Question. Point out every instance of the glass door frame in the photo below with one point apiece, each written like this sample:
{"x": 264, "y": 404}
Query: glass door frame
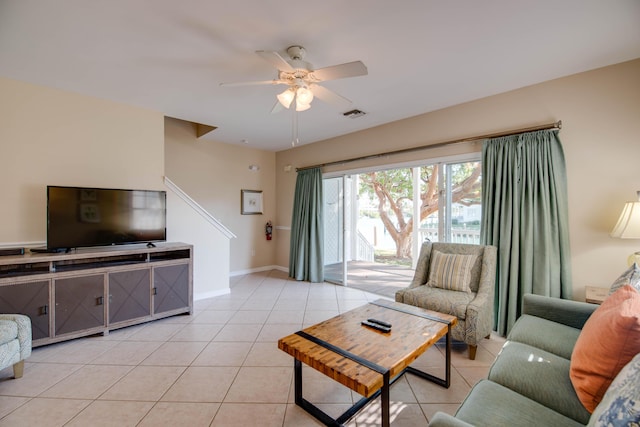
{"x": 345, "y": 222}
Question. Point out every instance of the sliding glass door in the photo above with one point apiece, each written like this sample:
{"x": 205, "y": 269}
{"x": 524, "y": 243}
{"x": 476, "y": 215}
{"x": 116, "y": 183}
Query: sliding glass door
{"x": 333, "y": 191}
{"x": 339, "y": 221}
{"x": 375, "y": 222}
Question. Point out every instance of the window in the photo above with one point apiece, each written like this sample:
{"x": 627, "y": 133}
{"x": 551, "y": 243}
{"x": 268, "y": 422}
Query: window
{"x": 448, "y": 206}
{"x": 455, "y": 210}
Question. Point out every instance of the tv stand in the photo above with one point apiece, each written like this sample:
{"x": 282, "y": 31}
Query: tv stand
{"x": 96, "y": 290}
{"x": 151, "y": 245}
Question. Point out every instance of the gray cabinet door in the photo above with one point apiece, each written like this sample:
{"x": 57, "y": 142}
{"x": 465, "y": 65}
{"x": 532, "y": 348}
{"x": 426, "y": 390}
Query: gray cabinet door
{"x": 129, "y": 295}
{"x": 171, "y": 287}
{"x": 30, "y": 299}
{"x": 79, "y": 303}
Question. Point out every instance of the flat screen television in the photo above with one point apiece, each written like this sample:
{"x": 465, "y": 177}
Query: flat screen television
{"x": 81, "y": 217}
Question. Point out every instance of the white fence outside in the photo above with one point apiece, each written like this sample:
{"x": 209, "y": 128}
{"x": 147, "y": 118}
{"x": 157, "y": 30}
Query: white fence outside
{"x": 458, "y": 235}
{"x": 366, "y": 251}
{"x": 364, "y": 248}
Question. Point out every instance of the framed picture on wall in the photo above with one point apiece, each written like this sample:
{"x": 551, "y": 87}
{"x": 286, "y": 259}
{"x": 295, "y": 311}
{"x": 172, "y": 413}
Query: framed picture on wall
{"x": 251, "y": 202}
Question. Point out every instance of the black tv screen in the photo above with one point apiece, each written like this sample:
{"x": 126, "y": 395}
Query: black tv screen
{"x": 81, "y": 217}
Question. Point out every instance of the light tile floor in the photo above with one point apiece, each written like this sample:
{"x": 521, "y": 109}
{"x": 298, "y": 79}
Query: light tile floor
{"x": 219, "y": 367}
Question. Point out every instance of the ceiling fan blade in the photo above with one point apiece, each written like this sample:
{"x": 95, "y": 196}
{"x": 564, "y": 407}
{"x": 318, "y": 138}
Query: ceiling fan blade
{"x": 275, "y": 59}
{"x": 330, "y": 97}
{"x": 277, "y": 107}
{"x": 350, "y": 69}
{"x": 261, "y": 82}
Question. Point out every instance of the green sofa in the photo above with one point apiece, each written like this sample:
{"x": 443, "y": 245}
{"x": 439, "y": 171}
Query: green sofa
{"x": 528, "y": 383}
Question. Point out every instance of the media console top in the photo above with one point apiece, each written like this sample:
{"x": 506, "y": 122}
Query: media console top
{"x": 94, "y": 252}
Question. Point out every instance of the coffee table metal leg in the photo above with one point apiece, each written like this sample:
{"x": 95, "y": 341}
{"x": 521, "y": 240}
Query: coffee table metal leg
{"x": 447, "y": 366}
{"x": 297, "y": 381}
{"x": 446, "y": 382}
{"x": 349, "y": 413}
{"x": 385, "y": 400}
{"x": 305, "y": 404}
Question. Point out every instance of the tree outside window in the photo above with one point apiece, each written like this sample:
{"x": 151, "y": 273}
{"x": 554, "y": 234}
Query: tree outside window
{"x": 391, "y": 192}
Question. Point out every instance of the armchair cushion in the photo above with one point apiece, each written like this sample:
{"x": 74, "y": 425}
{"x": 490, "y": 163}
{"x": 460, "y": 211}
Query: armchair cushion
{"x": 450, "y": 271}
{"x": 440, "y": 300}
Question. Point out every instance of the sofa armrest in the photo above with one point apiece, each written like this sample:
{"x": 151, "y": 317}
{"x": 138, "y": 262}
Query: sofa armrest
{"x": 566, "y": 312}
{"x": 440, "y": 419}
{"x": 24, "y": 332}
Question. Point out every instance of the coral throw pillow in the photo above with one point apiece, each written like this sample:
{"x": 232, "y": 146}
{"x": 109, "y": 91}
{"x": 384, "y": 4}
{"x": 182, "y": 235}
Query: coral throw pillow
{"x": 608, "y": 341}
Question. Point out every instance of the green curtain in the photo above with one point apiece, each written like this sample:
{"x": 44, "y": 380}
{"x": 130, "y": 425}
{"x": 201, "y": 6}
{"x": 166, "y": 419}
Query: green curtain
{"x": 306, "y": 256}
{"x": 524, "y": 214}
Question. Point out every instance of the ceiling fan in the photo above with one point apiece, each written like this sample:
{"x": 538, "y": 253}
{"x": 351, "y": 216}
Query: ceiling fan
{"x": 303, "y": 80}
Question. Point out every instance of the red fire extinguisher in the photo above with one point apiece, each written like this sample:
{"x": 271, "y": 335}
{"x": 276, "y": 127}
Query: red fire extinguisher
{"x": 268, "y": 229}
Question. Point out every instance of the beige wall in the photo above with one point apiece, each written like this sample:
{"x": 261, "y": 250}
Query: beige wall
{"x": 600, "y": 111}
{"x": 53, "y": 137}
{"x": 211, "y": 247}
{"x": 213, "y": 174}
{"x": 49, "y": 136}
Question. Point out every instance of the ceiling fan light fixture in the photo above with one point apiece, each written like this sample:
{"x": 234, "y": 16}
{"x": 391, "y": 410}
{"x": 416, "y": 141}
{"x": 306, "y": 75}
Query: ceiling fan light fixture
{"x": 304, "y": 95}
{"x": 301, "y": 106}
{"x": 286, "y": 98}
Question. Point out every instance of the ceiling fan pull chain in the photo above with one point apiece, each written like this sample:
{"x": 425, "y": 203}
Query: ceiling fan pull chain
{"x": 294, "y": 128}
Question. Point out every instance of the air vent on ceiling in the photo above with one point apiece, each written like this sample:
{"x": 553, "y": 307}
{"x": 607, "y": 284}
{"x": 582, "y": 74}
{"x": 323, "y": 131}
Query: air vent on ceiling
{"x": 354, "y": 114}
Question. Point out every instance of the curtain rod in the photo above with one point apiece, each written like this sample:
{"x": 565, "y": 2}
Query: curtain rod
{"x": 555, "y": 125}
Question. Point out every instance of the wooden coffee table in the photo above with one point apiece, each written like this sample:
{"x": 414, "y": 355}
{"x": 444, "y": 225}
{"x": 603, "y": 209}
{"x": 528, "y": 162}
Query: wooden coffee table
{"x": 366, "y": 360}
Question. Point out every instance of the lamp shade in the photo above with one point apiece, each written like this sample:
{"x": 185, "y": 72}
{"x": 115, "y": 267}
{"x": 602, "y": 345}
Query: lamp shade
{"x": 628, "y": 226}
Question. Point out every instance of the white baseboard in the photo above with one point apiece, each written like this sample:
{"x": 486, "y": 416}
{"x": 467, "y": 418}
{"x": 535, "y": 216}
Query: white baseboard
{"x": 211, "y": 294}
{"x": 258, "y": 270}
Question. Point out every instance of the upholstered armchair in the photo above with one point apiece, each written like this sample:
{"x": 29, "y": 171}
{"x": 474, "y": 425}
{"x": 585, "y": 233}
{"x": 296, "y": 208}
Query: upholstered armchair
{"x": 15, "y": 342}
{"x": 457, "y": 279}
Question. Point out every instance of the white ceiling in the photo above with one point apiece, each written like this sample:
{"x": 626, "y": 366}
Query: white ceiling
{"x": 422, "y": 55}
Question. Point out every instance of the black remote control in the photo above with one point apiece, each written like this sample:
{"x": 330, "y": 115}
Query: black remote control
{"x": 376, "y": 326}
{"x": 380, "y": 322}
